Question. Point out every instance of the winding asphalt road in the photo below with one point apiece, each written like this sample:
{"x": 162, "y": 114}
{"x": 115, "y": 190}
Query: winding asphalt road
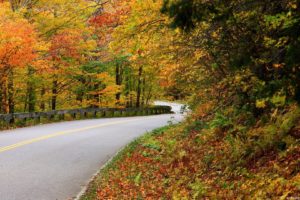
{"x": 55, "y": 161}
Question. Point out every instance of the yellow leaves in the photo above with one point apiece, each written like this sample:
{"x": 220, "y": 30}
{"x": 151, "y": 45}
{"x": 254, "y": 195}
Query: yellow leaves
{"x": 215, "y": 34}
{"x": 42, "y": 66}
{"x": 6, "y": 12}
{"x": 296, "y": 181}
{"x": 269, "y": 42}
{"x": 103, "y": 76}
{"x": 107, "y": 91}
{"x": 260, "y": 103}
{"x": 90, "y": 44}
{"x": 238, "y": 78}
{"x": 293, "y": 4}
{"x": 199, "y": 53}
{"x": 42, "y": 46}
{"x": 134, "y": 58}
{"x": 110, "y": 90}
{"x": 182, "y": 154}
{"x": 51, "y": 16}
{"x": 274, "y": 114}
{"x": 178, "y": 31}
{"x": 278, "y": 99}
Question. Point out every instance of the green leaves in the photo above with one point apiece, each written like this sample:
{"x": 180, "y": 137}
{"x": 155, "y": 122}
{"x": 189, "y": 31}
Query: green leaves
{"x": 237, "y": 35}
{"x": 220, "y": 121}
{"x": 137, "y": 179}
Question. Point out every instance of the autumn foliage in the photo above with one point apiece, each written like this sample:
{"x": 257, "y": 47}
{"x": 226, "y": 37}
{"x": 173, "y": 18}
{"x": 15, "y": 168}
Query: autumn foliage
{"x": 56, "y": 55}
{"x": 186, "y": 163}
{"x": 236, "y": 63}
{"x": 18, "y": 40}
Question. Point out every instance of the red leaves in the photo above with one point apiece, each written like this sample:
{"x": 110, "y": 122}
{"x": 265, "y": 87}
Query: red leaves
{"x": 112, "y": 17}
{"x": 122, "y": 181}
{"x": 106, "y": 19}
{"x": 65, "y": 44}
{"x": 185, "y": 170}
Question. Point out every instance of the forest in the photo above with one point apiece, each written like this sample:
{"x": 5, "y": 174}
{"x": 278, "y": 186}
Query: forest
{"x": 235, "y": 62}
{"x": 66, "y": 54}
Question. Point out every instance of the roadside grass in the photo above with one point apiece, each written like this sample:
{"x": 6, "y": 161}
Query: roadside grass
{"x": 111, "y": 165}
{"x": 91, "y": 192}
{"x": 210, "y": 157}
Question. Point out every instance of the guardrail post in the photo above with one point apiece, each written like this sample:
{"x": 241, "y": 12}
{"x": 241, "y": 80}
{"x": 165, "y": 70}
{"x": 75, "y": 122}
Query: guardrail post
{"x": 74, "y": 115}
{"x": 11, "y": 119}
{"x": 61, "y": 116}
{"x": 113, "y": 112}
{"x": 38, "y": 119}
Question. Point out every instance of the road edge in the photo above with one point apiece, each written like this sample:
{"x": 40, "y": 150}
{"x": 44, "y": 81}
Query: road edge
{"x": 86, "y": 186}
{"x": 118, "y": 155}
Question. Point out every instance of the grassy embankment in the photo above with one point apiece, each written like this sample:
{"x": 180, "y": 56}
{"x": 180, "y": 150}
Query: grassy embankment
{"x": 208, "y": 157}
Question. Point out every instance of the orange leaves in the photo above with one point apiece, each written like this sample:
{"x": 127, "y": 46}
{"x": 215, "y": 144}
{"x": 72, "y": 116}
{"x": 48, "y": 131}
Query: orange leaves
{"x": 111, "y": 90}
{"x": 277, "y": 65}
{"x": 137, "y": 174}
{"x": 70, "y": 48}
{"x": 203, "y": 110}
{"x": 196, "y": 167}
{"x": 17, "y": 43}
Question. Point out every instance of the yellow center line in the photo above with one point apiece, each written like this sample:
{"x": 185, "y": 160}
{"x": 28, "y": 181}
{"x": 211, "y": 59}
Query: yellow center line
{"x": 38, "y": 139}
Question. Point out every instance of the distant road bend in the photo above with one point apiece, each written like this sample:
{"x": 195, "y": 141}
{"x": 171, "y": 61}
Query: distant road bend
{"x": 54, "y": 161}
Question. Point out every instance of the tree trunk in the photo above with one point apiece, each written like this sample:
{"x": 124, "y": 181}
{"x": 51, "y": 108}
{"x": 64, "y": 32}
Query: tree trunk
{"x": 1, "y": 96}
{"x": 4, "y": 90}
{"x": 149, "y": 96}
{"x": 42, "y": 105}
{"x": 54, "y": 94}
{"x": 119, "y": 81}
{"x": 11, "y": 102}
{"x": 96, "y": 96}
{"x": 31, "y": 98}
{"x": 128, "y": 89}
{"x": 297, "y": 89}
{"x": 139, "y": 89}
{"x": 143, "y": 92}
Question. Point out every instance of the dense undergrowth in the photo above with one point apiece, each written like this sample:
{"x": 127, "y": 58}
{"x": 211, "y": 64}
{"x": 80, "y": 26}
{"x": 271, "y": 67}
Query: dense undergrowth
{"x": 212, "y": 155}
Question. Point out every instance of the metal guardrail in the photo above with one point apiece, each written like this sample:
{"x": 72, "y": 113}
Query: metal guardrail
{"x": 84, "y": 113}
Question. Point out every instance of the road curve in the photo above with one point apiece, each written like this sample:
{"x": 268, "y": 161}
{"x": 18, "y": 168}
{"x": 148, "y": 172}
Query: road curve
{"x": 54, "y": 161}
